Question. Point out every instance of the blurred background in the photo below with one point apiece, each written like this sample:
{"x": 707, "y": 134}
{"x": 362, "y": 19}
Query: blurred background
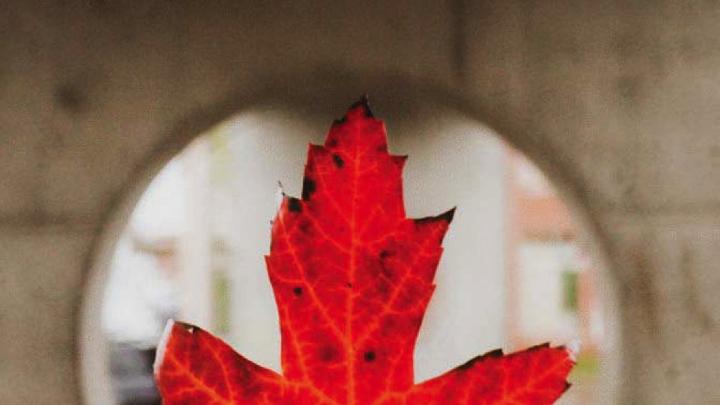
{"x": 193, "y": 250}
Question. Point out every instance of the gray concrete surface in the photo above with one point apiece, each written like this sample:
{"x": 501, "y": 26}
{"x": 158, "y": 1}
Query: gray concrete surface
{"x": 617, "y": 101}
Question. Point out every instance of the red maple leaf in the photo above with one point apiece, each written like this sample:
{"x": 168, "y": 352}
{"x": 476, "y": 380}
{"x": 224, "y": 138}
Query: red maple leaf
{"x": 352, "y": 277}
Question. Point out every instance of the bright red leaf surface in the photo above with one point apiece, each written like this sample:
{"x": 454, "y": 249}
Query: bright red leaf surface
{"x": 352, "y": 277}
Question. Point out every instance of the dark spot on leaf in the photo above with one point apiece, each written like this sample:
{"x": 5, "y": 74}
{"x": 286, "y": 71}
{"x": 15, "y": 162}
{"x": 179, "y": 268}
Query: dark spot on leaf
{"x": 369, "y": 356}
{"x": 297, "y": 291}
{"x": 332, "y": 142}
{"x": 387, "y": 271}
{"x": 349, "y": 285}
{"x": 384, "y": 254}
{"x": 308, "y": 188}
{"x": 304, "y": 227}
{"x": 294, "y": 205}
{"x": 339, "y": 162}
{"x": 328, "y": 353}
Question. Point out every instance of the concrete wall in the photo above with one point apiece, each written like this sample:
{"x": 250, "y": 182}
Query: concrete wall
{"x": 616, "y": 101}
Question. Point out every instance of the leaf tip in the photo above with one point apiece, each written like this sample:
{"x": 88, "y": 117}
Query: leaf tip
{"x": 494, "y": 353}
{"x": 448, "y": 215}
{"x": 364, "y": 104}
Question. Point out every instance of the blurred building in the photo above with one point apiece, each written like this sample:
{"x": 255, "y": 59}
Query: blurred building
{"x": 551, "y": 288}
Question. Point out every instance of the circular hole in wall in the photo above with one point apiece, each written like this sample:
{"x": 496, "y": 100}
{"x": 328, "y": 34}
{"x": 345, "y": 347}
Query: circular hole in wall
{"x": 516, "y": 271}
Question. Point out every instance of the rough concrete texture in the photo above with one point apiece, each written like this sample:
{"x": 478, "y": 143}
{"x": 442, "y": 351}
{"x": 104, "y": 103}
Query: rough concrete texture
{"x": 617, "y": 101}
{"x": 41, "y": 284}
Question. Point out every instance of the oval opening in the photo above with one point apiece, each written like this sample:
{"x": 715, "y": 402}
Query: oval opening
{"x": 517, "y": 269}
